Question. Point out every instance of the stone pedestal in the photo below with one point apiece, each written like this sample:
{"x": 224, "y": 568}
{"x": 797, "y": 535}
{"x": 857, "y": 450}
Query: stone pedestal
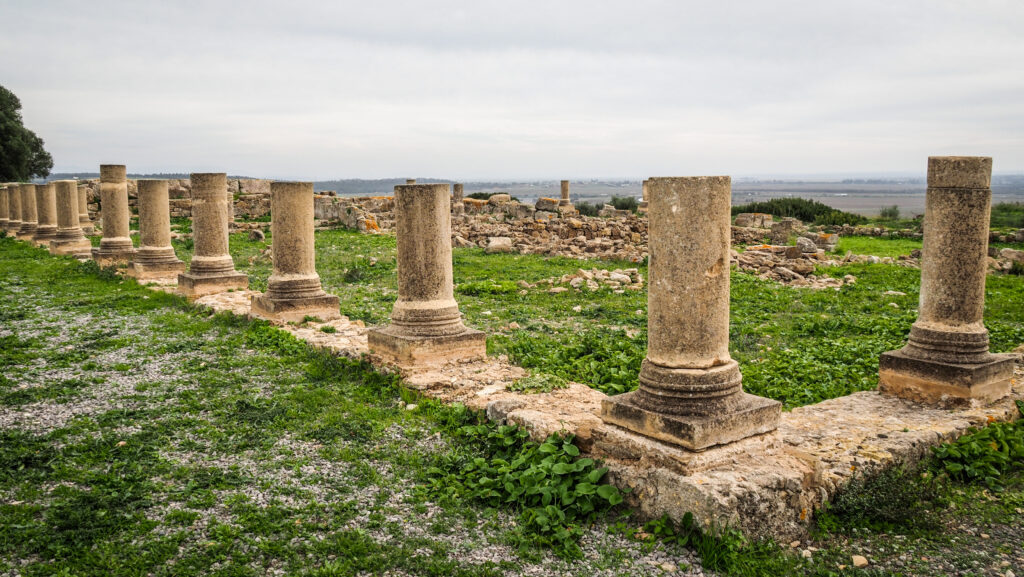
{"x": 46, "y": 211}
{"x": 293, "y": 289}
{"x": 83, "y": 212}
{"x": 642, "y": 209}
{"x": 212, "y": 270}
{"x": 155, "y": 259}
{"x": 116, "y": 245}
{"x": 946, "y": 360}
{"x": 69, "y": 238}
{"x": 29, "y": 216}
{"x": 690, "y": 389}
{"x": 426, "y": 325}
{"x": 410, "y": 181}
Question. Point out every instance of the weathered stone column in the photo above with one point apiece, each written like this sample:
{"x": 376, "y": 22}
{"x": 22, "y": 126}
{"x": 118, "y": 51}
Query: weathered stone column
{"x": 116, "y": 245}
{"x": 46, "y": 213}
{"x": 155, "y": 258}
{"x": 293, "y": 289}
{"x": 13, "y": 208}
{"x": 457, "y": 206}
{"x": 690, "y": 388}
{"x": 69, "y": 238}
{"x": 29, "y": 216}
{"x": 212, "y": 270}
{"x": 5, "y": 210}
{"x": 83, "y": 211}
{"x": 426, "y": 325}
{"x": 946, "y": 360}
{"x": 642, "y": 209}
{"x": 565, "y": 194}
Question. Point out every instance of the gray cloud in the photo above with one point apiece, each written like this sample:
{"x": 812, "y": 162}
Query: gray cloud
{"x": 517, "y": 89}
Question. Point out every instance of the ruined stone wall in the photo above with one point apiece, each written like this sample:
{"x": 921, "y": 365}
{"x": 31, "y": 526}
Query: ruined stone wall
{"x": 251, "y": 197}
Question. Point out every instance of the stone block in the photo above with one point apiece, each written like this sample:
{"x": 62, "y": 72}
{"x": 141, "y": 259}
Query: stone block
{"x": 410, "y": 351}
{"x": 748, "y": 415}
{"x": 194, "y": 286}
{"x": 945, "y": 384}
{"x": 323, "y": 307}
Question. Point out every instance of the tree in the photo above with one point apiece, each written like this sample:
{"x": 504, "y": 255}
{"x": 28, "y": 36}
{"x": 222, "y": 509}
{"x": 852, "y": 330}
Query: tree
{"x": 22, "y": 156}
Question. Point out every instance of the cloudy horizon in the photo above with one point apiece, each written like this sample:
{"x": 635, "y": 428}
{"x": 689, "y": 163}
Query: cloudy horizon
{"x": 528, "y": 90}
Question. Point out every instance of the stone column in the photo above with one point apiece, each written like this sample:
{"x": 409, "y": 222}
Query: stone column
{"x": 410, "y": 181}
{"x": 13, "y": 208}
{"x": 946, "y": 360}
{"x": 293, "y": 289}
{"x": 690, "y": 388}
{"x": 565, "y": 194}
{"x": 426, "y": 325}
{"x": 155, "y": 258}
{"x": 212, "y": 270}
{"x": 83, "y": 211}
{"x": 69, "y": 238}
{"x": 457, "y": 206}
{"x": 46, "y": 212}
{"x": 116, "y": 245}
{"x": 642, "y": 209}
{"x": 29, "y": 216}
{"x": 4, "y": 207}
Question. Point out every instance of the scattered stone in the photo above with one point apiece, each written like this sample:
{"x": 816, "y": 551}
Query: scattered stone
{"x": 859, "y": 561}
{"x": 499, "y": 244}
{"x": 256, "y": 235}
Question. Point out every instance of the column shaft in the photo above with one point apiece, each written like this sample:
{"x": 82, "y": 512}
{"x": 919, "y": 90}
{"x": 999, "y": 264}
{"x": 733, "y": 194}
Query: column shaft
{"x": 155, "y": 258}
{"x": 690, "y": 388}
{"x": 29, "y": 216}
{"x": 211, "y": 270}
{"x": 46, "y": 208}
{"x": 565, "y": 194}
{"x": 946, "y": 360}
{"x": 69, "y": 238}
{"x": 426, "y": 325}
{"x": 293, "y": 290}
{"x": 116, "y": 245}
{"x": 83, "y": 210}
{"x": 13, "y": 209}
{"x": 4, "y": 208}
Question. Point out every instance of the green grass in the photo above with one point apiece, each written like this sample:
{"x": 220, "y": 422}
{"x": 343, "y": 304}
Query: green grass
{"x": 877, "y": 245}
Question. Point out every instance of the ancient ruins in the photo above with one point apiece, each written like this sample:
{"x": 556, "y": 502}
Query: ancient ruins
{"x": 689, "y": 439}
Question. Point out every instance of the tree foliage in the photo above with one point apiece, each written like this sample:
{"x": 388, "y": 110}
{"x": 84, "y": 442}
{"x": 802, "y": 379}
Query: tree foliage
{"x": 22, "y": 156}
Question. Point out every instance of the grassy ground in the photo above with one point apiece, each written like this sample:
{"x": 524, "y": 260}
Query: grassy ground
{"x": 142, "y": 436}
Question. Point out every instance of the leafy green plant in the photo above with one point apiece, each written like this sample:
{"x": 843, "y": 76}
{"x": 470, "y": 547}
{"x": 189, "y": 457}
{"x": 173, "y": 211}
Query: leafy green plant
{"x": 587, "y": 208}
{"x": 608, "y": 361}
{"x": 1017, "y": 268}
{"x": 889, "y": 212}
{"x": 108, "y": 273}
{"x": 539, "y": 383}
{"x": 328, "y": 329}
{"x": 985, "y": 454}
{"x": 554, "y": 492}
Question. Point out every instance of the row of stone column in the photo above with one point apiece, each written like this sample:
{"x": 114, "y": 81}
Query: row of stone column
{"x": 46, "y": 214}
{"x": 690, "y": 391}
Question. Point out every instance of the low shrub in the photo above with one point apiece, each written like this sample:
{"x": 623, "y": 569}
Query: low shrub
{"x": 985, "y": 454}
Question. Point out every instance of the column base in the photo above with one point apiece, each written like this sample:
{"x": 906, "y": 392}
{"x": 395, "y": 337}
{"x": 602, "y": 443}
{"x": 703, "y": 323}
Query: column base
{"x": 88, "y": 230}
{"x": 195, "y": 286}
{"x": 152, "y": 271}
{"x": 80, "y": 249}
{"x": 947, "y": 385}
{"x": 751, "y": 415}
{"x": 25, "y": 235}
{"x": 412, "y": 351}
{"x": 112, "y": 257}
{"x": 323, "y": 307}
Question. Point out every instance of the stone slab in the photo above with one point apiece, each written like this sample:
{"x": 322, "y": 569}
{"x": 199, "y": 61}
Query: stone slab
{"x": 112, "y": 257}
{"x": 750, "y": 415}
{"x": 155, "y": 271}
{"x": 323, "y": 307}
{"x": 393, "y": 346}
{"x": 195, "y": 286}
{"x": 945, "y": 384}
{"x": 81, "y": 249}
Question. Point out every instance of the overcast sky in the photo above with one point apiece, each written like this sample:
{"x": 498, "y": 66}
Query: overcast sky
{"x": 518, "y": 89}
